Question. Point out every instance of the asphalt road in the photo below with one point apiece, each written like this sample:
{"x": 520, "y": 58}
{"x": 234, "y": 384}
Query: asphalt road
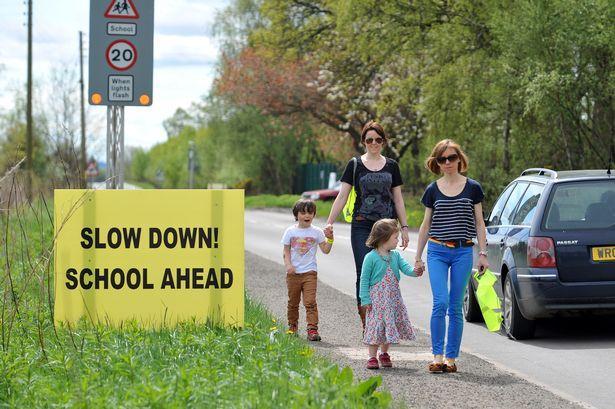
{"x": 574, "y": 359}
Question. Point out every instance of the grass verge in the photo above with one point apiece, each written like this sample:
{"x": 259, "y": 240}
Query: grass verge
{"x": 190, "y": 365}
{"x": 414, "y": 209}
{"x": 142, "y": 184}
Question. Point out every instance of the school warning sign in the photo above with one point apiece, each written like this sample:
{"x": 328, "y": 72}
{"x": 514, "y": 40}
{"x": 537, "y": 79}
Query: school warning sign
{"x": 154, "y": 256}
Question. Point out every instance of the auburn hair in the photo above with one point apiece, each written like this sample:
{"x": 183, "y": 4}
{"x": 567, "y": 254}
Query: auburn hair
{"x": 382, "y": 230}
{"x": 432, "y": 161}
{"x": 373, "y": 126}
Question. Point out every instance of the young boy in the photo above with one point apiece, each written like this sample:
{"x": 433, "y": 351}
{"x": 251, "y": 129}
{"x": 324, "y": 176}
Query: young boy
{"x": 300, "y": 246}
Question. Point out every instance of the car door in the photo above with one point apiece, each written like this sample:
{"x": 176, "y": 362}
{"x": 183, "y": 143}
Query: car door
{"x": 518, "y": 234}
{"x": 499, "y": 224}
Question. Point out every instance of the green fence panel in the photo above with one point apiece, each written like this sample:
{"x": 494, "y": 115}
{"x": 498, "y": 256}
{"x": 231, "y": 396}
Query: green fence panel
{"x": 312, "y": 176}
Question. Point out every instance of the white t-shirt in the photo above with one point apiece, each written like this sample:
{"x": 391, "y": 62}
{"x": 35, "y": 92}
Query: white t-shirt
{"x": 303, "y": 244}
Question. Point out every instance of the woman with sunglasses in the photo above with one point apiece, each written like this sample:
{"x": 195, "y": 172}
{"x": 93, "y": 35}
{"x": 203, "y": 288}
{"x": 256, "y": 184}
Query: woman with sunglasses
{"x": 453, "y": 218}
{"x": 377, "y": 182}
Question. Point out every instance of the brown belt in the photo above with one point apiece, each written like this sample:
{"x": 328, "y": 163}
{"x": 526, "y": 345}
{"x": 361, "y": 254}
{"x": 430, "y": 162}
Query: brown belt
{"x": 453, "y": 243}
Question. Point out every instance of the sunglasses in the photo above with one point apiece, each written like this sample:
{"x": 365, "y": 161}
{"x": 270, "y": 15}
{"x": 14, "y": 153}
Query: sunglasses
{"x": 451, "y": 158}
{"x": 378, "y": 140}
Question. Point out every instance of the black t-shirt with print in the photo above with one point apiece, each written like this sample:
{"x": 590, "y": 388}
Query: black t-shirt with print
{"x": 374, "y": 189}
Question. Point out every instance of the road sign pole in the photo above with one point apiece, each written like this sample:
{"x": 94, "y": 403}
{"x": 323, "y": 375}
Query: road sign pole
{"x": 120, "y": 147}
{"x": 191, "y": 165}
{"x": 121, "y": 63}
{"x": 115, "y": 147}
{"x": 110, "y": 166}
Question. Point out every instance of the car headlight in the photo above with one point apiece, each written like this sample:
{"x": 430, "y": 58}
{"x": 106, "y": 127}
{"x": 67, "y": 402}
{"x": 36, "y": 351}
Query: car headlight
{"x": 314, "y": 196}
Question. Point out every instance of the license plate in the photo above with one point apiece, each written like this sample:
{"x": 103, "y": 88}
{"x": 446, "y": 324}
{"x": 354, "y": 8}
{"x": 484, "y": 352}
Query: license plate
{"x": 606, "y": 253}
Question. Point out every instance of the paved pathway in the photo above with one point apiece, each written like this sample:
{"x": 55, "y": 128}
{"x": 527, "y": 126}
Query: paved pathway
{"x": 478, "y": 385}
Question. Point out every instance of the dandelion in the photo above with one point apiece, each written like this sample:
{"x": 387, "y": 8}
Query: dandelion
{"x": 273, "y": 328}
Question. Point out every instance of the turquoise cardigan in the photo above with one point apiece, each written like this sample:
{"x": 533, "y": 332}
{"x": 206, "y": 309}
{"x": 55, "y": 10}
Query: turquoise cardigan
{"x": 374, "y": 268}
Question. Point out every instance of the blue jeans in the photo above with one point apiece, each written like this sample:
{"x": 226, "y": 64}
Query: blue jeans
{"x": 359, "y": 232}
{"x": 441, "y": 259}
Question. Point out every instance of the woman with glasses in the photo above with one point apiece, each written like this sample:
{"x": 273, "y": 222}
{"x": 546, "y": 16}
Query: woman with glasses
{"x": 377, "y": 182}
{"x": 453, "y": 218}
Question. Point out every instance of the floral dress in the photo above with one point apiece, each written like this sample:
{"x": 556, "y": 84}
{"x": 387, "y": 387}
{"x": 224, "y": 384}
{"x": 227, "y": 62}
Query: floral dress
{"x": 387, "y": 322}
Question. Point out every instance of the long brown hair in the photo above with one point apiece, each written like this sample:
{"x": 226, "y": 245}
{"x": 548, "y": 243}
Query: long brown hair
{"x": 432, "y": 163}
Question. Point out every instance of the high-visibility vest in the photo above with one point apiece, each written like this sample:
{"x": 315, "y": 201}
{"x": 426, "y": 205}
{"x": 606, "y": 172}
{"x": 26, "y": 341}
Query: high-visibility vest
{"x": 488, "y": 300}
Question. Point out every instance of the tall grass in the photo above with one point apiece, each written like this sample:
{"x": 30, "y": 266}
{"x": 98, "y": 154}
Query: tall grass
{"x": 191, "y": 365}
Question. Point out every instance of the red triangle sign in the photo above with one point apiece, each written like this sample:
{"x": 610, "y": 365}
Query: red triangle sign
{"x": 122, "y": 9}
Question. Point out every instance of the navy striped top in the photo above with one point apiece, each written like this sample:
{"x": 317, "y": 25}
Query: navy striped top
{"x": 453, "y": 217}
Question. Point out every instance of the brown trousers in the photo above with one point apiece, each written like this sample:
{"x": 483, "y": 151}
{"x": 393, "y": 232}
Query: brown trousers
{"x": 302, "y": 283}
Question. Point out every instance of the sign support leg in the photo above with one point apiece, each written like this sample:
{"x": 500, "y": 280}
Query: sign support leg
{"x": 115, "y": 147}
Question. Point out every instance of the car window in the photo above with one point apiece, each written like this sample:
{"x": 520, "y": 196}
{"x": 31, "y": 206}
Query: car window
{"x": 512, "y": 202}
{"x": 527, "y": 205}
{"x": 496, "y": 212}
{"x": 582, "y": 205}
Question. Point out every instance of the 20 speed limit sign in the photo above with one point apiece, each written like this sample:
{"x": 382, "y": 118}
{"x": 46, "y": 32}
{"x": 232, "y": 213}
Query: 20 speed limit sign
{"x": 121, "y": 55}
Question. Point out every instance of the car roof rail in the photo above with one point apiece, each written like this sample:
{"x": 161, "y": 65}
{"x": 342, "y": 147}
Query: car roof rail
{"x": 541, "y": 172}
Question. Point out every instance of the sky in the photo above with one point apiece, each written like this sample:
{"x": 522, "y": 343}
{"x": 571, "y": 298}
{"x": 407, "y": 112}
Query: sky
{"x": 184, "y": 57}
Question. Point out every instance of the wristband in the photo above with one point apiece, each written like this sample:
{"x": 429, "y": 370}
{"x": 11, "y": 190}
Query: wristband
{"x": 405, "y": 225}
{"x": 330, "y": 241}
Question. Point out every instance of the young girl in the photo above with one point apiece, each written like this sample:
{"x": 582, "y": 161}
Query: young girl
{"x": 387, "y": 320}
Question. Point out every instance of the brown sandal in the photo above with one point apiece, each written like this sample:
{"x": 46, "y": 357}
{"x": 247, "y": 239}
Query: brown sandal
{"x": 435, "y": 367}
{"x": 449, "y": 368}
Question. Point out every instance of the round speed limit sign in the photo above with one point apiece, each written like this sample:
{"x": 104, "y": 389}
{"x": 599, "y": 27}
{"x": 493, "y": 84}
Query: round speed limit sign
{"x": 121, "y": 55}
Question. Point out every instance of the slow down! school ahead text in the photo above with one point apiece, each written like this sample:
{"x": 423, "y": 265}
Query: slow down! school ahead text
{"x": 125, "y": 238}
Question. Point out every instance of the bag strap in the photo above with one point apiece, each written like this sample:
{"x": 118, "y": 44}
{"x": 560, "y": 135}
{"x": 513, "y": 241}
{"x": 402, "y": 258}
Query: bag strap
{"x": 354, "y": 172}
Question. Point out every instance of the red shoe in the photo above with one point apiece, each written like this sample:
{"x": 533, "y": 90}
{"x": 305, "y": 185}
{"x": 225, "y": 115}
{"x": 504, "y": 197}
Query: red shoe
{"x": 312, "y": 335}
{"x": 372, "y": 363}
{"x": 292, "y": 329}
{"x": 385, "y": 360}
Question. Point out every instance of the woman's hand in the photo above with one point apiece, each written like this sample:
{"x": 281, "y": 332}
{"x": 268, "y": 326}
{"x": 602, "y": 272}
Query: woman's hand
{"x": 328, "y": 230}
{"x": 483, "y": 264}
{"x": 419, "y": 267}
{"x": 404, "y": 238}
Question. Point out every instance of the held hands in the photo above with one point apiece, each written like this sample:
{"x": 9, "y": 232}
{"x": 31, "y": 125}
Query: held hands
{"x": 419, "y": 267}
{"x": 328, "y": 230}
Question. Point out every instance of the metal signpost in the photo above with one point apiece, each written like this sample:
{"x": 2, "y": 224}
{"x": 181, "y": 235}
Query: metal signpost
{"x": 120, "y": 69}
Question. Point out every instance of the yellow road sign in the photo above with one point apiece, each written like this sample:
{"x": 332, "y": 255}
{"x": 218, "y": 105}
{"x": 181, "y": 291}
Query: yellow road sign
{"x": 154, "y": 256}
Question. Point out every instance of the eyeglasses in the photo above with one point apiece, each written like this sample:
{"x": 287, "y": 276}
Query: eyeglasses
{"x": 451, "y": 158}
{"x": 378, "y": 140}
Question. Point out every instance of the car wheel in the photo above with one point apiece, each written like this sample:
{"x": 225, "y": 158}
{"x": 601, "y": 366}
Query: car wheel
{"x": 471, "y": 309}
{"x": 515, "y": 324}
